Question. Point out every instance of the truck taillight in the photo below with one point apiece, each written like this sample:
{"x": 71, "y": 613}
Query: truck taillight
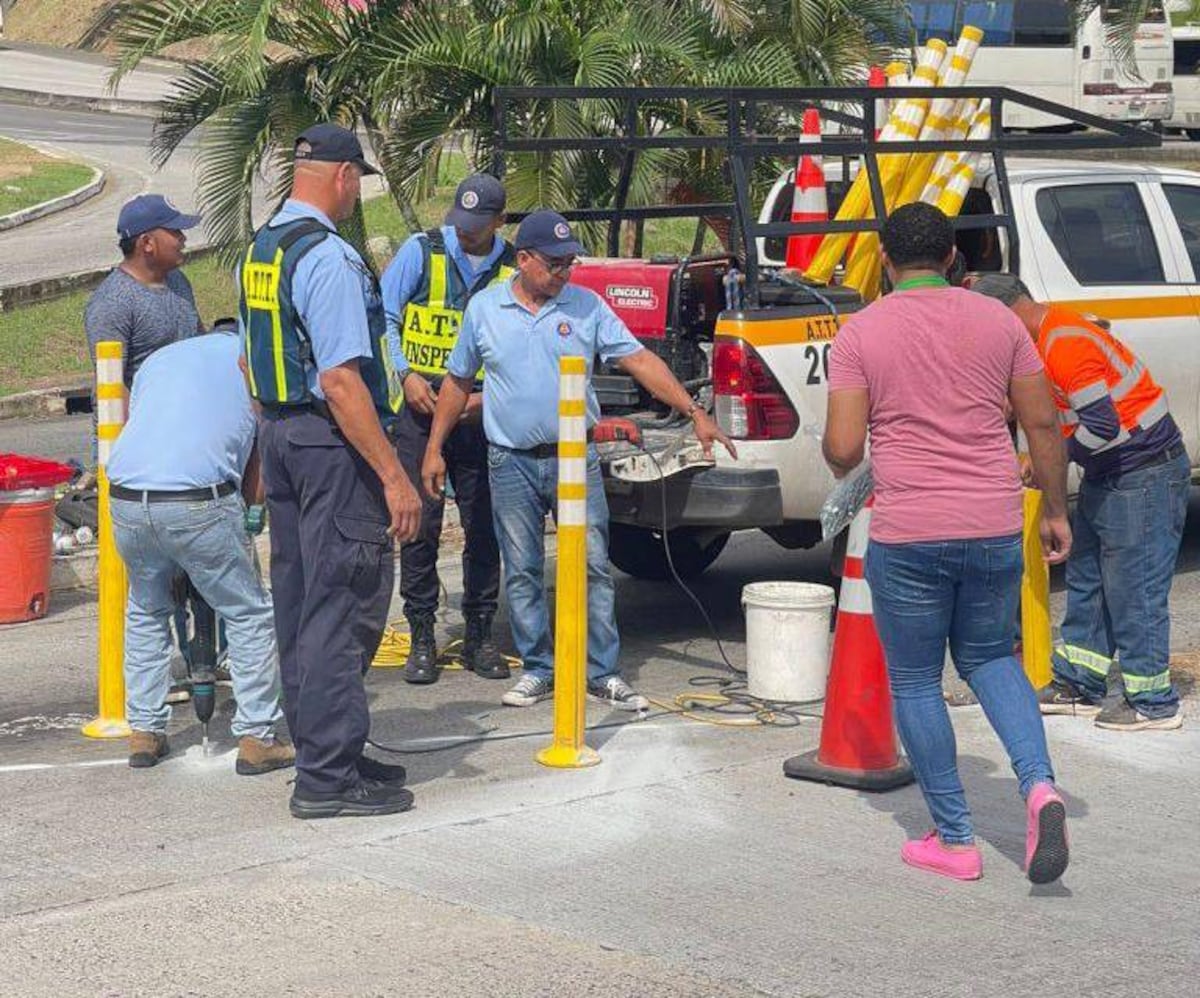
{"x": 749, "y": 402}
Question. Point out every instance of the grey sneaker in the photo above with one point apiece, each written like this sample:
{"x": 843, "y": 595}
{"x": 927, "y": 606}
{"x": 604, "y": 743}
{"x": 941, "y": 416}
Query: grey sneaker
{"x": 1061, "y": 697}
{"x": 529, "y": 689}
{"x": 1122, "y": 716}
{"x": 618, "y": 694}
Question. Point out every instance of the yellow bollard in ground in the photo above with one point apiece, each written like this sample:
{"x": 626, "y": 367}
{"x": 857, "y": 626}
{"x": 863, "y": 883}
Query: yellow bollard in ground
{"x": 1035, "y": 598}
{"x": 568, "y": 750}
{"x": 110, "y": 407}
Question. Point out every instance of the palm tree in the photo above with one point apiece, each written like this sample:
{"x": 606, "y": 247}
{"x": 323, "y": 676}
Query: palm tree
{"x": 436, "y": 74}
{"x": 273, "y": 68}
{"x": 418, "y": 75}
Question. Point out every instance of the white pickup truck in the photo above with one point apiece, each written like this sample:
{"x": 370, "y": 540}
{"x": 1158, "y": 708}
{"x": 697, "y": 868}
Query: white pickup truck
{"x": 1120, "y": 241}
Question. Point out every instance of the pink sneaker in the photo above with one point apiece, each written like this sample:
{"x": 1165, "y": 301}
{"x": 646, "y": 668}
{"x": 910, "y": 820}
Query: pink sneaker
{"x": 1045, "y": 834}
{"x": 929, "y": 854}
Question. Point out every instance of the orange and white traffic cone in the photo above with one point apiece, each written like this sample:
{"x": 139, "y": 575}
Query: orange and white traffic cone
{"x": 809, "y": 203}
{"x": 877, "y": 79}
{"x": 858, "y": 736}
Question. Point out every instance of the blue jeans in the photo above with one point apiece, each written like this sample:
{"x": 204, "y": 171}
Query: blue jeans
{"x": 208, "y": 541}
{"x": 964, "y": 592}
{"x": 524, "y": 489}
{"x": 1127, "y": 532}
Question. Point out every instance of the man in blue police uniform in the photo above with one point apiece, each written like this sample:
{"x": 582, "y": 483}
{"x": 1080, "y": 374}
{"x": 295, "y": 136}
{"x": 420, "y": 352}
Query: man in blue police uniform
{"x": 176, "y": 507}
{"x": 425, "y": 290}
{"x": 516, "y": 331}
{"x": 314, "y": 332}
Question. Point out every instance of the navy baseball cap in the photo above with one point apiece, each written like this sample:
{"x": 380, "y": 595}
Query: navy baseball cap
{"x": 152, "y": 211}
{"x": 548, "y": 233}
{"x": 330, "y": 143}
{"x": 477, "y": 202}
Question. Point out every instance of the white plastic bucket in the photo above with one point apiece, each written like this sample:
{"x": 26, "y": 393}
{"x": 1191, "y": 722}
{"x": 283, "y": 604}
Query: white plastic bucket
{"x": 787, "y": 640}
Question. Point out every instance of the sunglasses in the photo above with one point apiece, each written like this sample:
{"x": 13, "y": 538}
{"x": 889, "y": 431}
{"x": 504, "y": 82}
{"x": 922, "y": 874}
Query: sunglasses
{"x": 558, "y": 265}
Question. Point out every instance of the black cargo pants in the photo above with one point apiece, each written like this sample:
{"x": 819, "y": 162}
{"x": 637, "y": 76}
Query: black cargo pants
{"x": 466, "y": 467}
{"x": 331, "y": 583}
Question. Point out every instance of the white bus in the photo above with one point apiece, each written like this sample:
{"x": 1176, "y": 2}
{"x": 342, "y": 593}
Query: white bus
{"x": 1187, "y": 81}
{"x": 1032, "y": 46}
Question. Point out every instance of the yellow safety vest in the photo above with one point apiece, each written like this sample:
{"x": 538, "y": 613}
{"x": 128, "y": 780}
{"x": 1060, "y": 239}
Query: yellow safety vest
{"x": 433, "y": 316}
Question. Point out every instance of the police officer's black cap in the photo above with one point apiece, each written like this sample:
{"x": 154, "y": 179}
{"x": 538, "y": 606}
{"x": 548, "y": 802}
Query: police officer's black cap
{"x": 548, "y": 233}
{"x": 330, "y": 143}
{"x": 477, "y": 202}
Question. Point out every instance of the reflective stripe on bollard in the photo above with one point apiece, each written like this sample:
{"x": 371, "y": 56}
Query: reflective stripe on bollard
{"x": 568, "y": 751}
{"x": 113, "y": 584}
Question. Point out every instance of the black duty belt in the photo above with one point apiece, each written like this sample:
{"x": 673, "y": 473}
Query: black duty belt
{"x": 542, "y": 451}
{"x": 273, "y": 410}
{"x": 173, "y": 495}
{"x": 1170, "y": 454}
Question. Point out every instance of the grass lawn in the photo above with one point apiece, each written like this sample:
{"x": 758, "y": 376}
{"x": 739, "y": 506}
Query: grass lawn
{"x": 51, "y": 22}
{"x": 28, "y": 177}
{"x": 43, "y": 345}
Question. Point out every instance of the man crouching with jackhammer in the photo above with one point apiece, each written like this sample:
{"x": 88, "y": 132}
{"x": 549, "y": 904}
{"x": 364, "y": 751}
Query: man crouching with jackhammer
{"x": 179, "y": 472}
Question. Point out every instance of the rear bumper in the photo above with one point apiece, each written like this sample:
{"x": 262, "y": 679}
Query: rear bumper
{"x": 733, "y": 498}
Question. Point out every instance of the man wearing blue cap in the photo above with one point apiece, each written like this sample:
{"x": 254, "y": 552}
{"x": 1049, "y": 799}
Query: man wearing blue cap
{"x": 425, "y": 290}
{"x": 146, "y": 302}
{"x": 314, "y": 327}
{"x": 516, "y": 331}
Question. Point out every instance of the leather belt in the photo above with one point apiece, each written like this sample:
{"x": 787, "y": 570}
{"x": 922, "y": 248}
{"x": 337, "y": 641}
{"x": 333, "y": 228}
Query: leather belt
{"x": 1171, "y": 453}
{"x": 542, "y": 451}
{"x": 173, "y": 495}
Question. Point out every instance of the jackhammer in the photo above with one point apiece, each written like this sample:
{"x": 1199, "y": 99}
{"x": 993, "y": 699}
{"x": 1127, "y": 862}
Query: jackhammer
{"x": 202, "y": 658}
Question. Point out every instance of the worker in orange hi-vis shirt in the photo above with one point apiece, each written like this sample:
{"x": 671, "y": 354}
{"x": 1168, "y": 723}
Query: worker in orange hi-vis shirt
{"x": 1128, "y": 522}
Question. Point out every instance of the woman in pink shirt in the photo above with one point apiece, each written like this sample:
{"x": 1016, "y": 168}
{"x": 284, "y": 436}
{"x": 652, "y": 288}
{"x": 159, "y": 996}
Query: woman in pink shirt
{"x": 927, "y": 371}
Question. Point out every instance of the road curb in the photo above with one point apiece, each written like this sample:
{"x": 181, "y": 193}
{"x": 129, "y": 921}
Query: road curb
{"x": 1174, "y": 152}
{"x": 46, "y": 288}
{"x": 77, "y": 102}
{"x": 44, "y": 401}
{"x": 54, "y": 205}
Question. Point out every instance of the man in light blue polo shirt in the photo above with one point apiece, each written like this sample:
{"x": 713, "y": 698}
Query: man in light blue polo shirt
{"x": 517, "y": 331}
{"x": 179, "y": 472}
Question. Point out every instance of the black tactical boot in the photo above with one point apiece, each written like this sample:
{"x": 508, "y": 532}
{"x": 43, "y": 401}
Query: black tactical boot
{"x": 479, "y": 652}
{"x": 421, "y": 665}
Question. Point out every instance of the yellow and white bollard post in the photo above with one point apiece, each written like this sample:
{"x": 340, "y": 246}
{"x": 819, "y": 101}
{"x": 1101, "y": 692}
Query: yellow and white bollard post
{"x": 568, "y": 750}
{"x": 110, "y": 409}
{"x": 1035, "y": 598}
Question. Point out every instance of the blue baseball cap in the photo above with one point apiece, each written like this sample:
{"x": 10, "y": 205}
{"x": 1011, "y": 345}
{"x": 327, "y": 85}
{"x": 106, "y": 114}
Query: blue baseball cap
{"x": 152, "y": 211}
{"x": 330, "y": 143}
{"x": 548, "y": 233}
{"x": 477, "y": 202}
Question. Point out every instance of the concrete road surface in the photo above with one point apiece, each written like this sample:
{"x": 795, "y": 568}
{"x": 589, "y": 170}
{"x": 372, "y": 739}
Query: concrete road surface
{"x": 85, "y": 237}
{"x": 59, "y": 438}
{"x": 684, "y": 864}
{"x": 78, "y": 74}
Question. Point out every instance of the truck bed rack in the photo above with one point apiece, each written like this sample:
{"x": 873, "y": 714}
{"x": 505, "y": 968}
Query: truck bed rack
{"x": 746, "y": 124}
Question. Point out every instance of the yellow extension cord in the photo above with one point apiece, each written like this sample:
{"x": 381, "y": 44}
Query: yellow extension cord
{"x": 394, "y": 648}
